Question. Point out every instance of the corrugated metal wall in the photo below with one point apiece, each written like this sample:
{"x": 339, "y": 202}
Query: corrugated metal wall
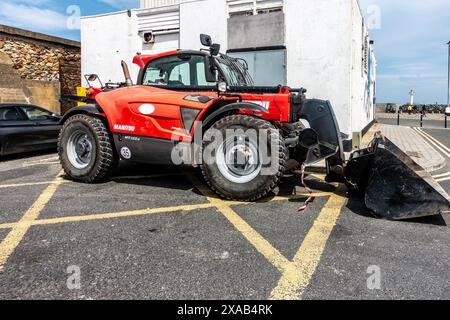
{"x": 166, "y": 20}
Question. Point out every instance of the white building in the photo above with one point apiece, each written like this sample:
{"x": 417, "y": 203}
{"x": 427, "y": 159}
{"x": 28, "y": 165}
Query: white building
{"x": 323, "y": 46}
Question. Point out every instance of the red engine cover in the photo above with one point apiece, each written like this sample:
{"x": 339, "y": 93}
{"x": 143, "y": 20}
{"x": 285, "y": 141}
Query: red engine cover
{"x": 155, "y": 112}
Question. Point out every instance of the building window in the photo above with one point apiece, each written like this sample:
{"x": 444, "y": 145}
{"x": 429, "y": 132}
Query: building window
{"x": 266, "y": 67}
{"x": 253, "y": 7}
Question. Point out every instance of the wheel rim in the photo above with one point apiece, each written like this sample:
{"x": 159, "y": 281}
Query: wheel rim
{"x": 80, "y": 149}
{"x": 238, "y": 159}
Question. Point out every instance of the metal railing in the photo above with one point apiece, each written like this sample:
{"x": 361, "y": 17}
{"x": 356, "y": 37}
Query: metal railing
{"x": 422, "y": 119}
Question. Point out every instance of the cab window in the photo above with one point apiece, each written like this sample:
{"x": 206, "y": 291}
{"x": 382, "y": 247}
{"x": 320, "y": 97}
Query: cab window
{"x": 177, "y": 70}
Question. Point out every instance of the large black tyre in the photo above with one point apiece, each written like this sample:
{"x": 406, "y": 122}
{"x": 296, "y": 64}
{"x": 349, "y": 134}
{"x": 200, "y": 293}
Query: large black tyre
{"x": 224, "y": 181}
{"x": 86, "y": 150}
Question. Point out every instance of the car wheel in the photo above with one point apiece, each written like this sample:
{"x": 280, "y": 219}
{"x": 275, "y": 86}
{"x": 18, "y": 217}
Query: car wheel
{"x": 241, "y": 165}
{"x": 85, "y": 149}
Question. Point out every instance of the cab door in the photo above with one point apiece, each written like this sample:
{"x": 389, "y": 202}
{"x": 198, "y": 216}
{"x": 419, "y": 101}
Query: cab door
{"x": 181, "y": 74}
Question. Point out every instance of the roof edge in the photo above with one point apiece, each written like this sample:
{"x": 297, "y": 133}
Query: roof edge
{"x": 38, "y": 36}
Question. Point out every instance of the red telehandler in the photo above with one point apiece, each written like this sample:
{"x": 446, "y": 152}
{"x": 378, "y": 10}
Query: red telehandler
{"x": 202, "y": 108}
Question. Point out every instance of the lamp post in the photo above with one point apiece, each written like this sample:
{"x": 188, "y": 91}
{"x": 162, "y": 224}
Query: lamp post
{"x": 448, "y": 89}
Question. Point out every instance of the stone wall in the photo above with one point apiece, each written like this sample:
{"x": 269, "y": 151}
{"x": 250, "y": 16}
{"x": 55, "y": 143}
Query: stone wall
{"x": 37, "y": 62}
{"x": 37, "y": 69}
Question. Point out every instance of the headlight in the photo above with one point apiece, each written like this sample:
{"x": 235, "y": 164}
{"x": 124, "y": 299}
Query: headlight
{"x": 222, "y": 87}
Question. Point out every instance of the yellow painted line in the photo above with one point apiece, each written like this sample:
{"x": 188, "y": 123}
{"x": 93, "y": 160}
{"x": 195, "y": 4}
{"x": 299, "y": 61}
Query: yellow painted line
{"x": 15, "y": 236}
{"x": 42, "y": 160}
{"x": 39, "y": 164}
{"x": 260, "y": 244}
{"x": 25, "y": 184}
{"x": 124, "y": 214}
{"x": 299, "y": 196}
{"x": 298, "y": 273}
{"x": 102, "y": 216}
{"x": 319, "y": 176}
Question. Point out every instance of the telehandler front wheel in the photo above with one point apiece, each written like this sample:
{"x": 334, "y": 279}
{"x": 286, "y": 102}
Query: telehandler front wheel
{"x": 85, "y": 149}
{"x": 244, "y": 157}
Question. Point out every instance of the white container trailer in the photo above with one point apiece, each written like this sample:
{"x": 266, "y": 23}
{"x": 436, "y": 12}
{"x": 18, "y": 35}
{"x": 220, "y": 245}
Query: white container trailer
{"x": 323, "y": 46}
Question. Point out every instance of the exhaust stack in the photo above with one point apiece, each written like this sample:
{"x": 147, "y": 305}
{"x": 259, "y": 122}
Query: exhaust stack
{"x": 126, "y": 73}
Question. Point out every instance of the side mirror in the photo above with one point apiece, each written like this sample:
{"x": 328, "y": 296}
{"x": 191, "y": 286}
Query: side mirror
{"x": 210, "y": 70}
{"x": 206, "y": 40}
{"x": 92, "y": 77}
{"x": 214, "y": 49}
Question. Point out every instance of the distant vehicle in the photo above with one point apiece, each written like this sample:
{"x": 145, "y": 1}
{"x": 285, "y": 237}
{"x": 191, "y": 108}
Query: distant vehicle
{"x": 392, "y": 108}
{"x": 25, "y": 128}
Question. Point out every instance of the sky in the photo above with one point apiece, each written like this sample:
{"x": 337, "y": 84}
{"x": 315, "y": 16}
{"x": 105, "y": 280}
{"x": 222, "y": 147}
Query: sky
{"x": 411, "y": 46}
{"x": 410, "y": 38}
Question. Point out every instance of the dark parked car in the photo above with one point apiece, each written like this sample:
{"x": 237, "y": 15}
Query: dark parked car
{"x": 26, "y": 128}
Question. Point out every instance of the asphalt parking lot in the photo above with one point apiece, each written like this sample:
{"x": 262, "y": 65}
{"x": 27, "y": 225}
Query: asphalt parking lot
{"x": 158, "y": 233}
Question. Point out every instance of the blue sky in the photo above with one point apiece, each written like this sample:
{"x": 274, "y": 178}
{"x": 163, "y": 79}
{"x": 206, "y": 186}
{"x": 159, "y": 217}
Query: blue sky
{"x": 411, "y": 48}
{"x": 410, "y": 38}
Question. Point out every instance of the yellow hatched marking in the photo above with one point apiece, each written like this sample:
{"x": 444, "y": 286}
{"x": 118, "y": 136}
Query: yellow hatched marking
{"x": 260, "y": 244}
{"x": 295, "y": 275}
{"x": 298, "y": 273}
{"x": 15, "y": 236}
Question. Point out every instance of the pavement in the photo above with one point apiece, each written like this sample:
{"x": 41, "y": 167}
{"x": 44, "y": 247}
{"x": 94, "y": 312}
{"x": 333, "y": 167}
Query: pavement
{"x": 412, "y": 142}
{"x": 158, "y": 233}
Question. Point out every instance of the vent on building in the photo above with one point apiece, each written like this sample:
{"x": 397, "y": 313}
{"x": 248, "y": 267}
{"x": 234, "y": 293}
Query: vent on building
{"x": 253, "y": 7}
{"x": 150, "y": 4}
{"x": 158, "y": 21}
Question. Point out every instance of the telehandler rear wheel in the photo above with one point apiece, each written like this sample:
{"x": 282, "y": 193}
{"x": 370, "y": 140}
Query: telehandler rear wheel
{"x": 244, "y": 157}
{"x": 85, "y": 149}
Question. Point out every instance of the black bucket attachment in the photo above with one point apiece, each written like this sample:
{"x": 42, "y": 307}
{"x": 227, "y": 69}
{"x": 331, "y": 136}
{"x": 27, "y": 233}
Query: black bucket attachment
{"x": 394, "y": 186}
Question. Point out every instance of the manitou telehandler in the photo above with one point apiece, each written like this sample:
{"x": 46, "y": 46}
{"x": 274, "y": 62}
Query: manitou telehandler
{"x": 184, "y": 99}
